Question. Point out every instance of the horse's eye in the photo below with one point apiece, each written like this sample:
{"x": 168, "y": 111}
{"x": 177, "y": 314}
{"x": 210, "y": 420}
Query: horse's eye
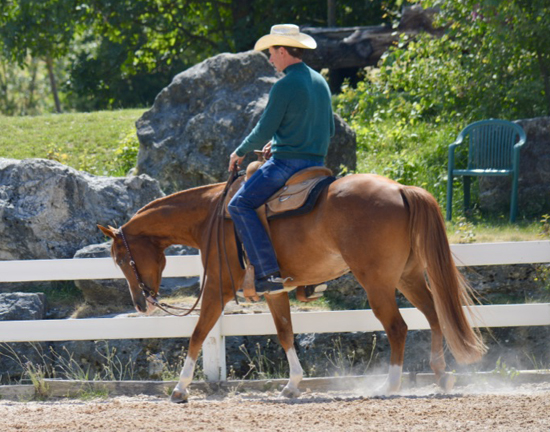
{"x": 120, "y": 261}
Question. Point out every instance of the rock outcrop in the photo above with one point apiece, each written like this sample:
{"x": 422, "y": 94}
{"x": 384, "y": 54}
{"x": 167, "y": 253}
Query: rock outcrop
{"x": 204, "y": 114}
{"x": 22, "y": 306}
{"x": 48, "y": 210}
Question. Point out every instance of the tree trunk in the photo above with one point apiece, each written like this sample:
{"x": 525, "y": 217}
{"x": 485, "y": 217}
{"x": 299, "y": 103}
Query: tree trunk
{"x": 241, "y": 10}
{"x": 53, "y": 84}
{"x": 331, "y": 13}
{"x": 4, "y": 105}
{"x": 545, "y": 74}
{"x": 33, "y": 69}
{"x": 357, "y": 47}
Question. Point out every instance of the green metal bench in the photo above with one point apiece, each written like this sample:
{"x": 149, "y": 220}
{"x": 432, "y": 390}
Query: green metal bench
{"x": 493, "y": 150}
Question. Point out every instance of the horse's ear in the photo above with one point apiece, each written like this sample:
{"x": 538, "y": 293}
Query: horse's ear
{"x": 110, "y": 232}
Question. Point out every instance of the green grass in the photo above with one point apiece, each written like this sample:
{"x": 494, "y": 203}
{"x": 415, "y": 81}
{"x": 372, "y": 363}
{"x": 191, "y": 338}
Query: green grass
{"x": 85, "y": 141}
{"x": 488, "y": 230}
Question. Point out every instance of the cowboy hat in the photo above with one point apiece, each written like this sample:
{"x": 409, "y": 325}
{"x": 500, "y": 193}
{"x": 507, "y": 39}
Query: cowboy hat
{"x": 285, "y": 35}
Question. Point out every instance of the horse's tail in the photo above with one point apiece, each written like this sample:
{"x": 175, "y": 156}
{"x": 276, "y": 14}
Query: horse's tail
{"x": 449, "y": 289}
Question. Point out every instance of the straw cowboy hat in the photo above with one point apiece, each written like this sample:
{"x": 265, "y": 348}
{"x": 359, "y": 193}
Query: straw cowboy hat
{"x": 285, "y": 35}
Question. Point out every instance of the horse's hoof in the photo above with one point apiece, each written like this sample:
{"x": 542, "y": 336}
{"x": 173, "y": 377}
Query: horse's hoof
{"x": 290, "y": 393}
{"x": 179, "y": 397}
{"x": 386, "y": 390}
{"x": 447, "y": 382}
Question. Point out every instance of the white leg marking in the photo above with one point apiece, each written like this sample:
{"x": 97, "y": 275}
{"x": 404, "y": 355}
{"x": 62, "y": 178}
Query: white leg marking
{"x": 186, "y": 375}
{"x": 296, "y": 375}
{"x": 394, "y": 378}
{"x": 393, "y": 381}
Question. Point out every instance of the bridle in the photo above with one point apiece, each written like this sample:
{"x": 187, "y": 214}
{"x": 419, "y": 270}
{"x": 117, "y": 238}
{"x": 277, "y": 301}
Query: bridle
{"x": 152, "y": 298}
{"x": 148, "y": 293}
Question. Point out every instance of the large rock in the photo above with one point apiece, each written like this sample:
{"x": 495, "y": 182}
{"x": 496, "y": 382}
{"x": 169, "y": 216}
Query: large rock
{"x": 103, "y": 291}
{"x": 204, "y": 114}
{"x": 48, "y": 210}
{"x": 534, "y": 175}
{"x": 15, "y": 358}
{"x": 21, "y": 306}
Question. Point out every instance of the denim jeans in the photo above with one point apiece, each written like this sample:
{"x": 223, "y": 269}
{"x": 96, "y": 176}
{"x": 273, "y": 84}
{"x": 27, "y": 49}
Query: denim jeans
{"x": 269, "y": 178}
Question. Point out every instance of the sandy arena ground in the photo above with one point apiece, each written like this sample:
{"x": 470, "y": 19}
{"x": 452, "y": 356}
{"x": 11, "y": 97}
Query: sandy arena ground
{"x": 525, "y": 408}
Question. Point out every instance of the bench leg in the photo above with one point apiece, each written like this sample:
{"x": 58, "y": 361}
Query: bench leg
{"x": 450, "y": 197}
{"x": 514, "y": 203}
{"x": 467, "y": 182}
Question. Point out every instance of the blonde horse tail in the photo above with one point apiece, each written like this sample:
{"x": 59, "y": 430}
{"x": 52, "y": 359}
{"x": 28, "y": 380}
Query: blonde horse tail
{"x": 449, "y": 289}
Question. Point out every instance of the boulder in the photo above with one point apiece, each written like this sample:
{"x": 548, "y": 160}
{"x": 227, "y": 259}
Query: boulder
{"x": 21, "y": 306}
{"x": 204, "y": 114}
{"x": 103, "y": 291}
{"x": 534, "y": 175}
{"x": 49, "y": 210}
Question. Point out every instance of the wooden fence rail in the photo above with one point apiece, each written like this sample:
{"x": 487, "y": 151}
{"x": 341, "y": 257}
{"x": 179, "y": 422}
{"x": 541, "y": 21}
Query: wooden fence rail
{"x": 250, "y": 324}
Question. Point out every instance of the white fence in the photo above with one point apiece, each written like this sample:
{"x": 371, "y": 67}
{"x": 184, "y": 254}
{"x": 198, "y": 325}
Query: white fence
{"x": 253, "y": 324}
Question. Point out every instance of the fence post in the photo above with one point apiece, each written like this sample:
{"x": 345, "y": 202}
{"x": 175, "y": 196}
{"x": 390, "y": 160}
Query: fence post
{"x": 213, "y": 354}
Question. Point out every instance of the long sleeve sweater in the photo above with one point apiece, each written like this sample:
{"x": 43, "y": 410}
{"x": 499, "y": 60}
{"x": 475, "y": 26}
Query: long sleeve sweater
{"x": 298, "y": 117}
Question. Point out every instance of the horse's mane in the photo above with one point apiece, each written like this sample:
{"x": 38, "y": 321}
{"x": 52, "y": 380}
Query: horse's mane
{"x": 177, "y": 196}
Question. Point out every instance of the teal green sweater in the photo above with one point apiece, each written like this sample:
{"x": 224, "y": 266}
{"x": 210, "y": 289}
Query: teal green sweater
{"x": 298, "y": 117}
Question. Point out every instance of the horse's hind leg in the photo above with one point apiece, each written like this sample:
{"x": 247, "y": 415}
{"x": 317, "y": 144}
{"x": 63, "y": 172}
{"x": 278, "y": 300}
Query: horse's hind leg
{"x": 414, "y": 288}
{"x": 279, "y": 306}
{"x": 381, "y": 296}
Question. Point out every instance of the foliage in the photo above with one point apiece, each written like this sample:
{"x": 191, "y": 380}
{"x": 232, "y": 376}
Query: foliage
{"x": 392, "y": 143}
{"x": 504, "y": 371}
{"x": 345, "y": 362}
{"x": 38, "y": 28}
{"x": 504, "y": 48}
{"x": 545, "y": 227}
{"x": 23, "y": 91}
{"x": 122, "y": 53}
{"x": 260, "y": 365}
{"x": 465, "y": 230}
{"x": 478, "y": 69}
{"x": 486, "y": 64}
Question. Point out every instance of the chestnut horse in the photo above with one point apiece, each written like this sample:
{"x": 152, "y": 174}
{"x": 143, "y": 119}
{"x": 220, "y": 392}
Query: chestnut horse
{"x": 388, "y": 235}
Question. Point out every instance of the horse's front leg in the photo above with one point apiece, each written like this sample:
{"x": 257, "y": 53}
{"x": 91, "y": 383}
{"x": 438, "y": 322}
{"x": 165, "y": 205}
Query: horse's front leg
{"x": 280, "y": 310}
{"x": 210, "y": 313}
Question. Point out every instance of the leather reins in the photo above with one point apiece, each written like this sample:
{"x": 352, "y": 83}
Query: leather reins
{"x": 217, "y": 216}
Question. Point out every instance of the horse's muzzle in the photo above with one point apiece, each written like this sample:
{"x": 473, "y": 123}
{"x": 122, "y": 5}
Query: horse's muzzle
{"x": 141, "y": 304}
{"x": 141, "y": 307}
{"x": 145, "y": 305}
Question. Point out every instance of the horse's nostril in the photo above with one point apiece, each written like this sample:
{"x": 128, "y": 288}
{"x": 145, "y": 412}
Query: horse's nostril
{"x": 141, "y": 307}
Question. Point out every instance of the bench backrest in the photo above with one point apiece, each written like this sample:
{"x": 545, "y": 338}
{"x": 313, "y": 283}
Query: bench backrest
{"x": 490, "y": 144}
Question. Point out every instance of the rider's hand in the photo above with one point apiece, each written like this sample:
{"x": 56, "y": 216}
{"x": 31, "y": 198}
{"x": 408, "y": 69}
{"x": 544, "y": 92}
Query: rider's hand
{"x": 235, "y": 159}
{"x": 267, "y": 151}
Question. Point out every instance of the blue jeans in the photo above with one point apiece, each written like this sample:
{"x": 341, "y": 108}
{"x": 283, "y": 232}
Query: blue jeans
{"x": 269, "y": 178}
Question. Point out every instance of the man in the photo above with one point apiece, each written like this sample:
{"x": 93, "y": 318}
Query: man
{"x": 296, "y": 125}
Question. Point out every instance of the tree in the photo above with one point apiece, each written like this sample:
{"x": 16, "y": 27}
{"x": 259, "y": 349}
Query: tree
{"x": 505, "y": 48}
{"x": 125, "y": 39}
{"x": 38, "y": 29}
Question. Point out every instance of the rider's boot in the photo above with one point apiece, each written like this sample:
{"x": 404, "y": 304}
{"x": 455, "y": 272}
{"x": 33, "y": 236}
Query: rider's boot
{"x": 270, "y": 284}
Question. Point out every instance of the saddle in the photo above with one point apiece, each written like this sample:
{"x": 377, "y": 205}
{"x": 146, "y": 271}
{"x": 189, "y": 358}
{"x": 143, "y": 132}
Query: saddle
{"x": 298, "y": 196}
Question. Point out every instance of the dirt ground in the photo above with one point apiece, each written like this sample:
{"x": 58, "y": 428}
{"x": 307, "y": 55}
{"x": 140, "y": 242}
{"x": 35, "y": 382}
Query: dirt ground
{"x": 524, "y": 408}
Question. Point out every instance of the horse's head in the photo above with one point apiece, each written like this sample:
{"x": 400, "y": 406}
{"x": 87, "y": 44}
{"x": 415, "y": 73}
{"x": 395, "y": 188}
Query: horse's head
{"x": 142, "y": 262}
